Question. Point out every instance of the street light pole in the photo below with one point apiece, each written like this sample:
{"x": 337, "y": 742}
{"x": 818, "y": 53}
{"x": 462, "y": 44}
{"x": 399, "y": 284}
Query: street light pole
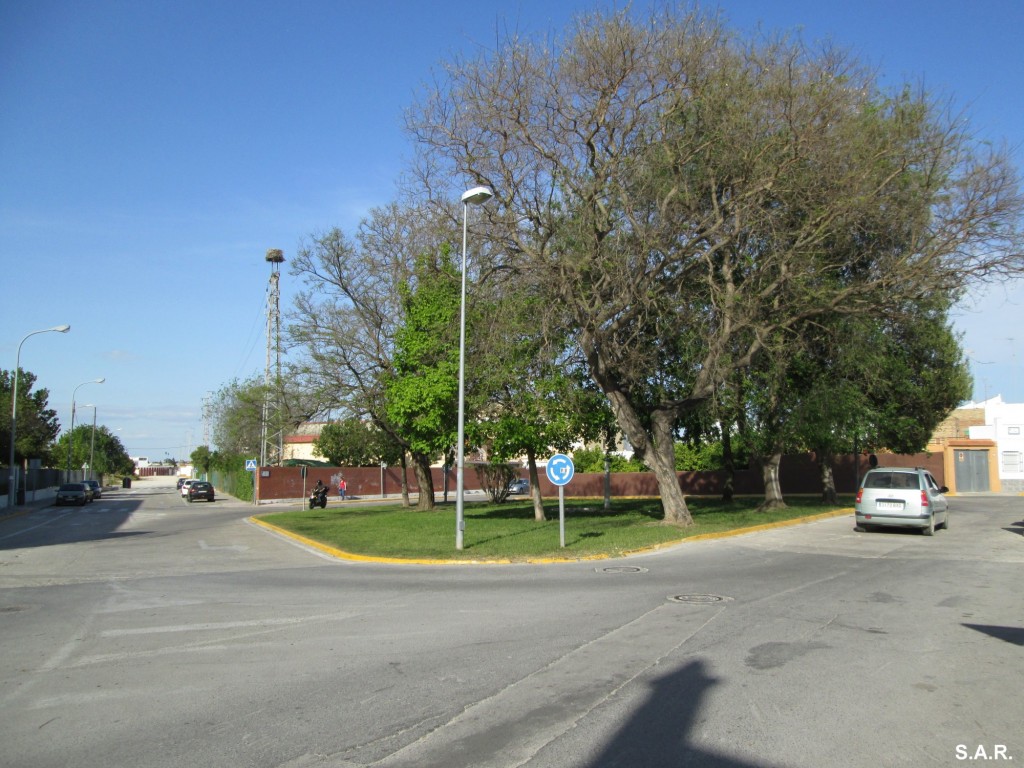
{"x": 476, "y": 195}
{"x": 12, "y": 479}
{"x": 92, "y": 441}
{"x": 71, "y": 434}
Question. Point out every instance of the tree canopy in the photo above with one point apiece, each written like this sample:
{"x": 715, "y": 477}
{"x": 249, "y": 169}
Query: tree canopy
{"x": 37, "y": 422}
{"x": 100, "y": 446}
{"x": 688, "y": 200}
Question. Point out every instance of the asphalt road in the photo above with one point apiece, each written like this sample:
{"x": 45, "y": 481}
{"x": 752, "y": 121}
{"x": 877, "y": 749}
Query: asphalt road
{"x": 143, "y": 631}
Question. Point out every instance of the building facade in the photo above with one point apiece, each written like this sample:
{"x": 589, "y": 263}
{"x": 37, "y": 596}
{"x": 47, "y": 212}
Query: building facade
{"x": 1004, "y": 426}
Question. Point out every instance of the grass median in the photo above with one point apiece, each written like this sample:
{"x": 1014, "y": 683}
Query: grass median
{"x": 508, "y": 531}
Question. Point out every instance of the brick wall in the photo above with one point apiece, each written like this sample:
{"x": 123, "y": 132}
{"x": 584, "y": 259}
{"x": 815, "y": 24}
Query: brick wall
{"x": 799, "y": 474}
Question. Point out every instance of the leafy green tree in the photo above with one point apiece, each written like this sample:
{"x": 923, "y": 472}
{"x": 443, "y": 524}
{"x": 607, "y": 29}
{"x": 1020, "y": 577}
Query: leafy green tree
{"x": 106, "y": 450}
{"x": 592, "y": 460}
{"x": 236, "y": 411}
{"x": 422, "y": 392}
{"x": 202, "y": 459}
{"x": 355, "y": 443}
{"x": 530, "y": 398}
{"x": 37, "y": 422}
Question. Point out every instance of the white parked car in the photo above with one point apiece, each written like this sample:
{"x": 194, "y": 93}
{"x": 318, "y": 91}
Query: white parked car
{"x": 901, "y": 497}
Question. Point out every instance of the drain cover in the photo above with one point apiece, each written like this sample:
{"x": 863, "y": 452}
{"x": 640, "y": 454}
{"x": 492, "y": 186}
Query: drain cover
{"x": 699, "y": 599}
{"x": 621, "y": 569}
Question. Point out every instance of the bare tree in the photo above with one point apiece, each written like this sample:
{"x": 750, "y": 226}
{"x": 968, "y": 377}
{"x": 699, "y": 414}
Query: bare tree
{"x": 684, "y": 196}
{"x": 346, "y": 318}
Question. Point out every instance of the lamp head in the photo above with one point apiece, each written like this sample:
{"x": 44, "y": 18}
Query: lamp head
{"x": 477, "y": 195}
{"x": 61, "y": 328}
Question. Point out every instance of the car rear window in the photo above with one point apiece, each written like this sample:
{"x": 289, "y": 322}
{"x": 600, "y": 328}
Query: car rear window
{"x": 892, "y": 480}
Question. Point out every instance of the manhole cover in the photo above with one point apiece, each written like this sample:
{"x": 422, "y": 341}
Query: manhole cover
{"x": 699, "y": 599}
{"x": 621, "y": 569}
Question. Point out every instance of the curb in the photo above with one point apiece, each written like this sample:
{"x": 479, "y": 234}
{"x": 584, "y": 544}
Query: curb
{"x": 350, "y": 556}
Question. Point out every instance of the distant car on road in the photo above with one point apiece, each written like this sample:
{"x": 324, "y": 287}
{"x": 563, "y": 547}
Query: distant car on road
{"x": 97, "y": 489}
{"x": 181, "y": 481}
{"x": 200, "y": 489}
{"x": 72, "y": 493}
{"x": 184, "y": 485}
{"x": 519, "y": 485}
{"x": 901, "y": 497}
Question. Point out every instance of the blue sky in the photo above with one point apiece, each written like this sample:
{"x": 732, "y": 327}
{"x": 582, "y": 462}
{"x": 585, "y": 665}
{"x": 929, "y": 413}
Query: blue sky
{"x": 151, "y": 152}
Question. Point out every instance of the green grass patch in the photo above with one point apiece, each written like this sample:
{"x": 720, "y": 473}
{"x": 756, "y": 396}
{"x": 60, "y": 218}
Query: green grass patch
{"x": 508, "y": 531}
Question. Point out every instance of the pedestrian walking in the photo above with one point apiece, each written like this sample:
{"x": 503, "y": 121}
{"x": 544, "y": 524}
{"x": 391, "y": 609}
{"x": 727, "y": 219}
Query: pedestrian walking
{"x": 342, "y": 488}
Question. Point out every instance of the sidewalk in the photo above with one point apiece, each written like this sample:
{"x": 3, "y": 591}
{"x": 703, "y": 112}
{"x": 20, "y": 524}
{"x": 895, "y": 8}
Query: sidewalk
{"x": 33, "y": 500}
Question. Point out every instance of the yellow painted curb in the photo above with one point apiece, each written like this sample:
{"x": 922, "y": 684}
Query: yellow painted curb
{"x": 343, "y": 555}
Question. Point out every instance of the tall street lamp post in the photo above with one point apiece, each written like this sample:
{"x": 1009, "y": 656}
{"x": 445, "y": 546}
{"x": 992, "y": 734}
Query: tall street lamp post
{"x": 476, "y": 195}
{"x": 92, "y": 441}
{"x": 71, "y": 438}
{"x": 12, "y": 479}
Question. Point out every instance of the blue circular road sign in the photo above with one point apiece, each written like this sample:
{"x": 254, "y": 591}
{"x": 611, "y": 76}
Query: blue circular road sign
{"x": 560, "y": 469}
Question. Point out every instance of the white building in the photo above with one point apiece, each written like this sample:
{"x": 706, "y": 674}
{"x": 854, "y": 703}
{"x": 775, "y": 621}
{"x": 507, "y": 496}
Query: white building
{"x": 1004, "y": 424}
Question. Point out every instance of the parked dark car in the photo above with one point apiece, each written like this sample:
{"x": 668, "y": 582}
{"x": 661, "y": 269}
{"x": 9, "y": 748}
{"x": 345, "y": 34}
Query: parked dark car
{"x": 72, "y": 493}
{"x": 200, "y": 489}
{"x": 97, "y": 489}
{"x": 181, "y": 482}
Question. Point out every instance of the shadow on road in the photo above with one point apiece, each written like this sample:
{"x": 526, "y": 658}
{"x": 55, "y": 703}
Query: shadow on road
{"x": 97, "y": 521}
{"x": 1013, "y": 635}
{"x": 659, "y": 733}
{"x": 1017, "y": 528}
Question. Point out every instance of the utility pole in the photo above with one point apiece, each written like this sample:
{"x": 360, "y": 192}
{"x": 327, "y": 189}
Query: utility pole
{"x": 272, "y": 428}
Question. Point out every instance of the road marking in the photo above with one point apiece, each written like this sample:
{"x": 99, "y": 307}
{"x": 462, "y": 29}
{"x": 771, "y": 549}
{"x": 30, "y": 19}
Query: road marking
{"x": 222, "y": 625}
{"x": 230, "y": 547}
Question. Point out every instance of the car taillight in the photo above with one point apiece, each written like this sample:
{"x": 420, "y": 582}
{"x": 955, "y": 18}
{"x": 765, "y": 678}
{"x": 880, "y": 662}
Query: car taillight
{"x": 860, "y": 493}
{"x": 924, "y": 498}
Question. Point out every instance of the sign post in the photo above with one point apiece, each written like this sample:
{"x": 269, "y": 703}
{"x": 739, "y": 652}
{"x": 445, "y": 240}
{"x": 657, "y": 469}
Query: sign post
{"x": 560, "y": 470}
{"x": 250, "y": 466}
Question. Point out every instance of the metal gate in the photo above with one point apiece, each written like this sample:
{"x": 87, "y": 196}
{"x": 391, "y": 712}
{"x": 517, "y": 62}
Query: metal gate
{"x": 971, "y": 471}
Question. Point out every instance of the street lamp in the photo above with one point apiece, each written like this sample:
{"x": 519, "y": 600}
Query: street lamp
{"x": 476, "y": 195}
{"x": 12, "y": 479}
{"x": 71, "y": 439}
{"x": 92, "y": 442}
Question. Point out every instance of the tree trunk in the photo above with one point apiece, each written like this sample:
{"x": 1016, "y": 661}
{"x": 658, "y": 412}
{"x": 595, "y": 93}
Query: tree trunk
{"x": 829, "y": 495}
{"x": 655, "y": 448}
{"x": 405, "y": 480}
{"x": 663, "y": 461}
{"x": 730, "y": 464}
{"x": 538, "y": 502}
{"x": 425, "y": 481}
{"x": 772, "y": 488}
{"x": 658, "y": 453}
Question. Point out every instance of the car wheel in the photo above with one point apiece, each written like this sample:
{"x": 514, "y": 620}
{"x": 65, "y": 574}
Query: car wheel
{"x": 929, "y": 530}
{"x": 945, "y": 522}
{"x": 189, "y": 499}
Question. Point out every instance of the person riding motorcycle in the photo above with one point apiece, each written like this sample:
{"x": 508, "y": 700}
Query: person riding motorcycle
{"x": 319, "y": 495}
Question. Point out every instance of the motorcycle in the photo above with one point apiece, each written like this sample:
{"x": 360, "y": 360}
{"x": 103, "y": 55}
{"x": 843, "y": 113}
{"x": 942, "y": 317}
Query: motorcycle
{"x": 318, "y": 498}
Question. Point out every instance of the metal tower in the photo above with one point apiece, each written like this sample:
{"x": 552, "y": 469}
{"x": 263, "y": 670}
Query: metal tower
{"x": 272, "y": 425}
